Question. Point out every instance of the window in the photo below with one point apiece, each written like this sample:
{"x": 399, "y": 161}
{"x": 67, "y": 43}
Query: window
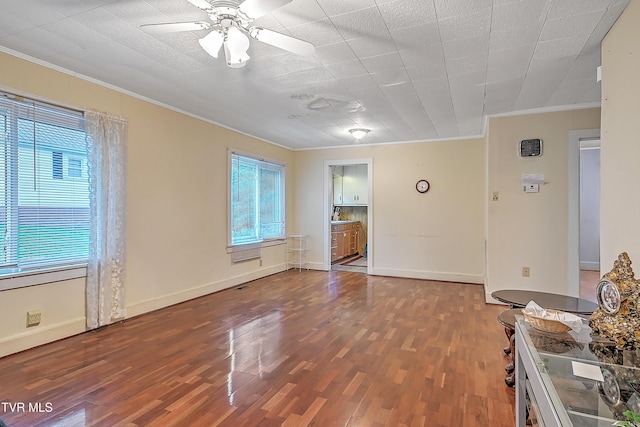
{"x": 257, "y": 209}
{"x": 74, "y": 169}
{"x": 56, "y": 164}
{"x": 44, "y": 219}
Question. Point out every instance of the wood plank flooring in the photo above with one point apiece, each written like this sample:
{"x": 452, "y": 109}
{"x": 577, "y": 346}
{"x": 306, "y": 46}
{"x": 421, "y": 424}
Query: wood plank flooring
{"x": 305, "y": 348}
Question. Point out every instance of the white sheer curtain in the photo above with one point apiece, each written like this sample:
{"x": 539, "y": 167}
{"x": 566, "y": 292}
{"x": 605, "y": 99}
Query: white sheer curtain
{"x": 106, "y": 147}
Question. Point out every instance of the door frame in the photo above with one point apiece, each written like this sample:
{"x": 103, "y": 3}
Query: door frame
{"x": 328, "y": 202}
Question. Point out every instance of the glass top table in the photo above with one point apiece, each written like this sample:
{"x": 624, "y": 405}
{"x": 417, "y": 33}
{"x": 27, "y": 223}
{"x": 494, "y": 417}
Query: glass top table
{"x": 520, "y": 298}
{"x": 576, "y": 379}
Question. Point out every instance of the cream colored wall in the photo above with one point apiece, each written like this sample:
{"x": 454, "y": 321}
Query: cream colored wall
{"x": 531, "y": 229}
{"x": 177, "y": 218}
{"x": 438, "y": 235}
{"x": 620, "y": 152}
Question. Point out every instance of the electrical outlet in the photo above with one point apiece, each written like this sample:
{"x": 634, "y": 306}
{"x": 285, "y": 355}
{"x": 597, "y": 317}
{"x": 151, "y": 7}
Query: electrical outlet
{"x": 34, "y": 317}
{"x": 526, "y": 272}
{"x": 495, "y": 196}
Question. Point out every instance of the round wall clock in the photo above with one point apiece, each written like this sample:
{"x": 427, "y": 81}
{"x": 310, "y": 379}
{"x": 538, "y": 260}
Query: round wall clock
{"x": 608, "y": 296}
{"x": 422, "y": 186}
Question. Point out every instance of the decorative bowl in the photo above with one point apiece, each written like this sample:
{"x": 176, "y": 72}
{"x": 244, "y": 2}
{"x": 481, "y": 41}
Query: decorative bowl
{"x": 546, "y": 324}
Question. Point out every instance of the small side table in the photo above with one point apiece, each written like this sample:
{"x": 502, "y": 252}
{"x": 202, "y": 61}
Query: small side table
{"x": 507, "y": 318}
{"x": 520, "y": 298}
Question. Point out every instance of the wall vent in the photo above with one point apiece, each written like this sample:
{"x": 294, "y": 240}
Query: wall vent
{"x": 245, "y": 254}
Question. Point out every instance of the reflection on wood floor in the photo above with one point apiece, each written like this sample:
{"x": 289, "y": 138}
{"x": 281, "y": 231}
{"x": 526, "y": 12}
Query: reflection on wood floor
{"x": 296, "y": 348}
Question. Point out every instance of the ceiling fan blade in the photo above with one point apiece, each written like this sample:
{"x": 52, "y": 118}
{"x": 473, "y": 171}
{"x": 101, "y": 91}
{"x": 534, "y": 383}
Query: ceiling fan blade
{"x": 175, "y": 27}
{"x": 282, "y": 41}
{"x": 202, "y": 4}
{"x": 254, "y": 9}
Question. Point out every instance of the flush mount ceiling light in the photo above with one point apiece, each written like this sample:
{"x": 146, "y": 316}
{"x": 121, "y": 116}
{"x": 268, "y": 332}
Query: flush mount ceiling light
{"x": 359, "y": 133}
{"x": 230, "y": 21}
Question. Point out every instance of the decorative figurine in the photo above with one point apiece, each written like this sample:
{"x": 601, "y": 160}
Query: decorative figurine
{"x": 617, "y": 317}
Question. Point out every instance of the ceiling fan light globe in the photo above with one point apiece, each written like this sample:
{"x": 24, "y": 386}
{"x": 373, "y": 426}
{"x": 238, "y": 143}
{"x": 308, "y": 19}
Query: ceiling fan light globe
{"x": 212, "y": 42}
{"x": 235, "y": 60}
{"x": 236, "y": 45}
{"x": 237, "y": 40}
{"x": 237, "y": 65}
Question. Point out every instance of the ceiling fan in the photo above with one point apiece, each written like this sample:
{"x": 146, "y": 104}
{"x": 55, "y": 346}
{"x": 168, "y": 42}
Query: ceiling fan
{"x": 230, "y": 22}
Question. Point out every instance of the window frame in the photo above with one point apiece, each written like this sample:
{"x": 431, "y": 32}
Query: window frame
{"x": 14, "y": 277}
{"x": 260, "y": 242}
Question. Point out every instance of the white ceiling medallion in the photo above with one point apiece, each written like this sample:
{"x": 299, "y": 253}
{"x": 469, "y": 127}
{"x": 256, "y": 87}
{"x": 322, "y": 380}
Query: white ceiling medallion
{"x": 230, "y": 29}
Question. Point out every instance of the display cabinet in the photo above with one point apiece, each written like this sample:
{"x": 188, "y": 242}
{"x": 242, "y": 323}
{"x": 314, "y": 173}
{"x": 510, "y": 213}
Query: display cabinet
{"x": 573, "y": 379}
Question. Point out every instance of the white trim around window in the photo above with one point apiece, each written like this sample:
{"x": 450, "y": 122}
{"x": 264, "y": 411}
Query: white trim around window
{"x": 23, "y": 279}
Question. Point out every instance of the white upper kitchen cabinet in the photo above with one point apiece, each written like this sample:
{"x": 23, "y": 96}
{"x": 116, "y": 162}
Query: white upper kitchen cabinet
{"x": 355, "y": 185}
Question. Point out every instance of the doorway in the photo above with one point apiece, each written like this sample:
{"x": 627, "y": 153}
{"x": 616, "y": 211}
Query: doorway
{"x": 584, "y": 213}
{"x": 348, "y": 215}
{"x": 589, "y": 249}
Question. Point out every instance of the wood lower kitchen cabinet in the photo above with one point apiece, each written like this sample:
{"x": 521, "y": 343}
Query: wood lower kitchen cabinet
{"x": 344, "y": 239}
{"x": 335, "y": 237}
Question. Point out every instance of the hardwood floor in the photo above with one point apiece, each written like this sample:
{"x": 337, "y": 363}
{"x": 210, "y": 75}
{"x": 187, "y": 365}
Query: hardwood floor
{"x": 303, "y": 348}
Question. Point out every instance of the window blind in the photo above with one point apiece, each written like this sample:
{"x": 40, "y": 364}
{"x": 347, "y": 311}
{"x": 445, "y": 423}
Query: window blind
{"x": 44, "y": 214}
{"x": 257, "y": 200}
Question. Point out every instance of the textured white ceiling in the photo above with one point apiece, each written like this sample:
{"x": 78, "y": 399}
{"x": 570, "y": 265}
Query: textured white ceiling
{"x": 409, "y": 70}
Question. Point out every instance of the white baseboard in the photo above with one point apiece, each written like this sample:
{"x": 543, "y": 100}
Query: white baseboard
{"x": 38, "y": 335}
{"x": 314, "y": 266}
{"x": 152, "y": 304}
{"x": 430, "y": 275}
{"x": 590, "y": 265}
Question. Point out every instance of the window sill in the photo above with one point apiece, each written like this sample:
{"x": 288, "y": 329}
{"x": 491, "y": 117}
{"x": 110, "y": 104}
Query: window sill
{"x": 22, "y": 279}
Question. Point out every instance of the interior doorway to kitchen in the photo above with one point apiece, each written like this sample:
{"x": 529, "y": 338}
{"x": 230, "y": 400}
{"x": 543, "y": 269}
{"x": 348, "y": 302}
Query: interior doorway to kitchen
{"x": 348, "y": 215}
